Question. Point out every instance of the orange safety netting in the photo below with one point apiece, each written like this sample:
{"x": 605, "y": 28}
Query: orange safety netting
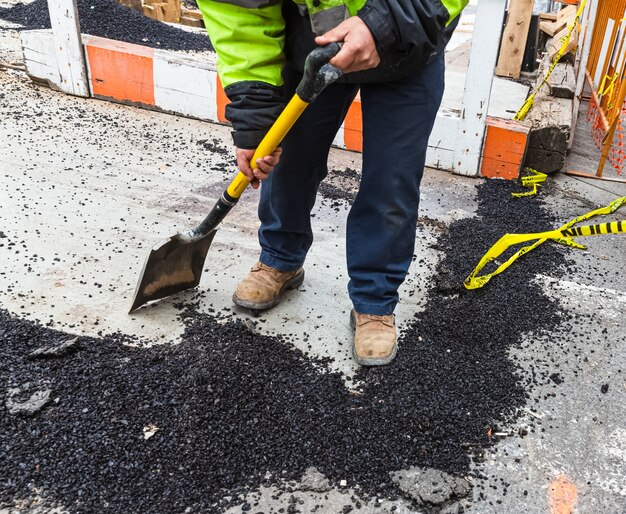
{"x": 617, "y": 152}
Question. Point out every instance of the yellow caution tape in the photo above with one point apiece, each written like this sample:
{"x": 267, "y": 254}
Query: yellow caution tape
{"x": 608, "y": 89}
{"x": 535, "y": 179}
{"x": 562, "y": 235}
{"x": 530, "y": 101}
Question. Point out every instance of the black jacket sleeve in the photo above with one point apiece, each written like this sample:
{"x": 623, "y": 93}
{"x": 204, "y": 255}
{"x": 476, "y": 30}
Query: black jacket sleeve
{"x": 406, "y": 27}
{"x": 253, "y": 108}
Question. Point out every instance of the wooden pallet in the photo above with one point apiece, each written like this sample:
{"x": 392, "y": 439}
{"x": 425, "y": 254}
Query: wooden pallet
{"x": 191, "y": 17}
{"x": 561, "y": 21}
{"x": 171, "y": 11}
{"x": 162, "y": 10}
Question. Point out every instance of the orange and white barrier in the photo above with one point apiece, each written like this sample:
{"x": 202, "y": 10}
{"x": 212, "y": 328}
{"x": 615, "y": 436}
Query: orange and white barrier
{"x": 188, "y": 85}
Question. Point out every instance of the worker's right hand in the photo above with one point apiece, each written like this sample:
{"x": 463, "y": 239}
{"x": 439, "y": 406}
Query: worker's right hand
{"x": 265, "y": 166}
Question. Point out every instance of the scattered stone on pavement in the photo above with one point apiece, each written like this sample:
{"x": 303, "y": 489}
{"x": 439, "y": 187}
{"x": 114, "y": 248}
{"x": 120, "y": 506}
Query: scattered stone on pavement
{"x": 431, "y": 486}
{"x": 61, "y": 350}
{"x": 313, "y": 480}
{"x": 31, "y": 405}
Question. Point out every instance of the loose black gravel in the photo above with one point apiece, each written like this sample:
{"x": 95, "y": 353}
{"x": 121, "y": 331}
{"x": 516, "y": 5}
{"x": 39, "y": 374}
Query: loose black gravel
{"x": 107, "y": 18}
{"x": 338, "y": 191}
{"x": 235, "y": 409}
{"x": 556, "y": 378}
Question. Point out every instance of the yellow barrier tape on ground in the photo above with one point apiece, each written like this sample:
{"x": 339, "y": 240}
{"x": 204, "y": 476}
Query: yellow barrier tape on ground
{"x": 562, "y": 235}
{"x": 535, "y": 179}
{"x": 530, "y": 101}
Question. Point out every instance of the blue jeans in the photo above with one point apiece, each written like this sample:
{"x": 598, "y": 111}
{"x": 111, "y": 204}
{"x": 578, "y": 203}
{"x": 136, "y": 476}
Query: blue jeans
{"x": 397, "y": 120}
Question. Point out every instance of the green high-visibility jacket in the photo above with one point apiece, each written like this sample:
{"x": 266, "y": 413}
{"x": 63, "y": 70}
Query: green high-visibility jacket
{"x": 255, "y": 39}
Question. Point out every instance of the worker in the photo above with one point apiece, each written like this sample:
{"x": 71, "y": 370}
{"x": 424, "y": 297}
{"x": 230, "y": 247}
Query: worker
{"x": 393, "y": 53}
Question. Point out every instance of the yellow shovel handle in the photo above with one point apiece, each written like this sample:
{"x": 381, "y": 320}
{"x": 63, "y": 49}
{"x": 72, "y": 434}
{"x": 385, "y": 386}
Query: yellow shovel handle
{"x": 270, "y": 142}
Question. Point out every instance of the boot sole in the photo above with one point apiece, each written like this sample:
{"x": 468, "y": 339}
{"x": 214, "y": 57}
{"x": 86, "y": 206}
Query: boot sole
{"x": 363, "y": 361}
{"x": 293, "y": 283}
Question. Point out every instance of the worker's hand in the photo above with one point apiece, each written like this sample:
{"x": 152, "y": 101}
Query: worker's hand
{"x": 359, "y": 48}
{"x": 265, "y": 166}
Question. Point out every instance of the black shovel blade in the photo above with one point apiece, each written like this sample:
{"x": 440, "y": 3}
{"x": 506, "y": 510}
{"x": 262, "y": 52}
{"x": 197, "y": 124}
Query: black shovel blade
{"x": 172, "y": 266}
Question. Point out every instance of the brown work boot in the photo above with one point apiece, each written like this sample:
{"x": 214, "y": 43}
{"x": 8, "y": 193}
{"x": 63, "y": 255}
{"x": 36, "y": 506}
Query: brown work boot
{"x": 374, "y": 338}
{"x": 263, "y": 286}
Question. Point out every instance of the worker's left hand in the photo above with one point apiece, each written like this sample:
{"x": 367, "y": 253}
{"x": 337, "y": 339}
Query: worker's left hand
{"x": 265, "y": 166}
{"x": 359, "y": 48}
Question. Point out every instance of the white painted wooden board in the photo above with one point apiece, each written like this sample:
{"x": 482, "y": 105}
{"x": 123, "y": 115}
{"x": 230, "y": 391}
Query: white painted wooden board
{"x": 442, "y": 142}
{"x": 68, "y": 47}
{"x": 39, "y": 56}
{"x": 478, "y": 82}
{"x": 185, "y": 85}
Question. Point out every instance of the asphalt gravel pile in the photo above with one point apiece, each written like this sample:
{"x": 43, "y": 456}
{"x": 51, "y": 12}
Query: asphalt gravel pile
{"x": 107, "y": 18}
{"x": 170, "y": 428}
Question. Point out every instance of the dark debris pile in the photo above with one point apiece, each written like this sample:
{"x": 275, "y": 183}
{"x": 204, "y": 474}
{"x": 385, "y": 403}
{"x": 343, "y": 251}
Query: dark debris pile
{"x": 107, "y": 18}
{"x": 235, "y": 409}
{"x": 339, "y": 189}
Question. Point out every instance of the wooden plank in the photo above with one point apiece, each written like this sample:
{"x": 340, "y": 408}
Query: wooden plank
{"x": 556, "y": 43}
{"x": 157, "y": 11}
{"x": 582, "y": 174}
{"x": 565, "y": 18}
{"x": 549, "y": 27}
{"x": 172, "y": 11}
{"x": 133, "y": 4}
{"x": 497, "y": 168}
{"x": 191, "y": 22}
{"x": 505, "y": 148}
{"x": 148, "y": 11}
{"x": 551, "y": 122}
{"x": 562, "y": 81}
{"x": 442, "y": 142}
{"x": 163, "y": 10}
{"x": 514, "y": 38}
{"x": 185, "y": 85}
{"x": 192, "y": 13}
{"x": 548, "y": 16}
{"x": 39, "y": 57}
{"x": 120, "y": 71}
{"x": 68, "y": 47}
{"x": 478, "y": 82}
{"x": 566, "y": 13}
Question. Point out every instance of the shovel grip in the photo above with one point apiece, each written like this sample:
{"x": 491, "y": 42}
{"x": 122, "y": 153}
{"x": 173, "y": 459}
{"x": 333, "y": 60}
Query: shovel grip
{"x": 318, "y": 72}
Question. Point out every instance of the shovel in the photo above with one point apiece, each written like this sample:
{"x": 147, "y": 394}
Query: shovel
{"x": 176, "y": 264}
